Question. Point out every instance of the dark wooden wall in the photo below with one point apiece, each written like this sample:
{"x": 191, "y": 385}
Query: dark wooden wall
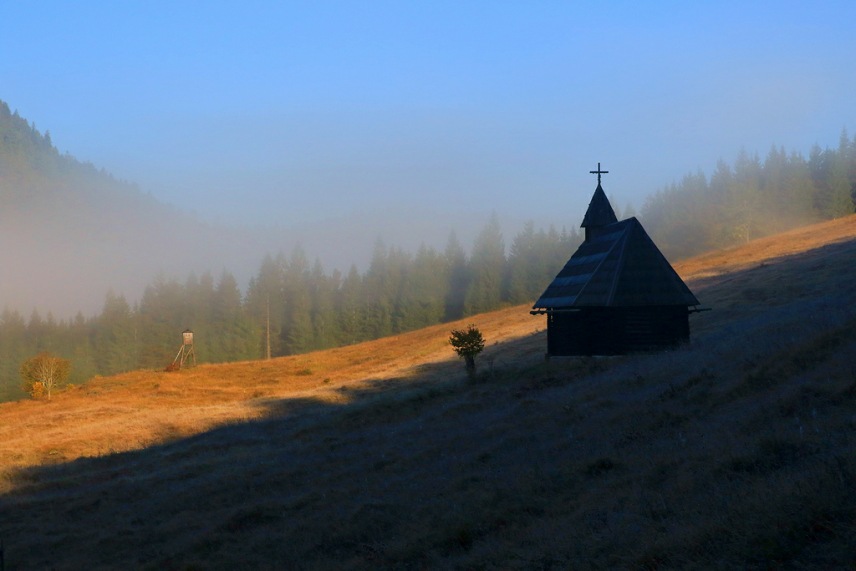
{"x": 616, "y": 331}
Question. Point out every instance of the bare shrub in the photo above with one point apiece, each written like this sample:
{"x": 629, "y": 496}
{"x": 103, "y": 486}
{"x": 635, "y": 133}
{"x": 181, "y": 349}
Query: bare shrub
{"x": 44, "y": 373}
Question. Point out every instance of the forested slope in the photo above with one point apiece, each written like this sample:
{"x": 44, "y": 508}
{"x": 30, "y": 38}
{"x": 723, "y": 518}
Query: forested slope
{"x": 753, "y": 198}
{"x": 736, "y": 451}
{"x": 71, "y": 232}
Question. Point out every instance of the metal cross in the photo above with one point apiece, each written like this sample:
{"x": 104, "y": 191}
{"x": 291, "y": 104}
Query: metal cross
{"x": 598, "y": 172}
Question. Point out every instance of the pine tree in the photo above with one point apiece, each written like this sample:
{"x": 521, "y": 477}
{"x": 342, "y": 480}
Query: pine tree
{"x": 458, "y": 275}
{"x": 265, "y": 304}
{"x": 523, "y": 263}
{"x": 297, "y": 333}
{"x": 323, "y": 290}
{"x": 350, "y": 309}
{"x": 744, "y": 197}
{"x": 488, "y": 266}
{"x": 378, "y": 298}
{"x": 115, "y": 340}
{"x": 14, "y": 347}
{"x": 232, "y": 333}
{"x": 162, "y": 315}
{"x": 81, "y": 353}
{"x": 422, "y": 293}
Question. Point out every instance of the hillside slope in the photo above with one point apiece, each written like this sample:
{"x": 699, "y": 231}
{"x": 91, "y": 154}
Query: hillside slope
{"x": 71, "y": 232}
{"x": 735, "y": 451}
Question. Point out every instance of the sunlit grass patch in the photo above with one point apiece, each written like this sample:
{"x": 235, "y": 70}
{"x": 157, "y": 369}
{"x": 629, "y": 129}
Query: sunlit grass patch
{"x": 735, "y": 451}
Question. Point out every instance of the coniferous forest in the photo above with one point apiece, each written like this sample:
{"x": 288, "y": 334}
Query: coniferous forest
{"x": 292, "y": 304}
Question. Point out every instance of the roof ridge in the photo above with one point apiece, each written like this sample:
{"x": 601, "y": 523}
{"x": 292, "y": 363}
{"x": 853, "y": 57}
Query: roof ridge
{"x": 599, "y": 264}
{"x": 619, "y": 266}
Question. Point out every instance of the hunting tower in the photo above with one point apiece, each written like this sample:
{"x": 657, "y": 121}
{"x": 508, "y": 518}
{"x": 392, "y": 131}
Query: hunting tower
{"x": 186, "y": 351}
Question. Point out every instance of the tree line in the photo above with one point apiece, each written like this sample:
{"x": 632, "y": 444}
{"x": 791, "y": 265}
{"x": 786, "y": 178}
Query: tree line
{"x": 290, "y": 306}
{"x": 754, "y": 198}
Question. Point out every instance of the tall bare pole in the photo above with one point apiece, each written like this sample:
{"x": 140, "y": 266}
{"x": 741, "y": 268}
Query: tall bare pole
{"x": 267, "y": 354}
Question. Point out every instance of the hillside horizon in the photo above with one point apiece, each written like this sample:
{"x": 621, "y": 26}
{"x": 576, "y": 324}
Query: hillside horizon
{"x": 736, "y": 450}
{"x": 79, "y": 233}
{"x": 70, "y": 218}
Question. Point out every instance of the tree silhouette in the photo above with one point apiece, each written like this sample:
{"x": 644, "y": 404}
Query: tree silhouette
{"x": 467, "y": 344}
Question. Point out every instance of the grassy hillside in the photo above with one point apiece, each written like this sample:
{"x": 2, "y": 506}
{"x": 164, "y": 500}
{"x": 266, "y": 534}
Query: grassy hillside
{"x": 736, "y": 451}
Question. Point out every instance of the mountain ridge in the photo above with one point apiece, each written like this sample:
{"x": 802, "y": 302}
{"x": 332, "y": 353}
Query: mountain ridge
{"x": 73, "y": 232}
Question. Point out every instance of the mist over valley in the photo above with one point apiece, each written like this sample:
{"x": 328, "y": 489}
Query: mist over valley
{"x": 71, "y": 232}
{"x": 304, "y": 285}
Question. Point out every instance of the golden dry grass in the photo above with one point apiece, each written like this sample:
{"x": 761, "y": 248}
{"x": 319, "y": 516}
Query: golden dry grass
{"x": 141, "y": 408}
{"x": 767, "y": 249}
{"x": 736, "y": 452}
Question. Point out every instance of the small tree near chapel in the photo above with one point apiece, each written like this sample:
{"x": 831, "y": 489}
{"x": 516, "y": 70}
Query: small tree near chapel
{"x": 468, "y": 343}
{"x": 44, "y": 373}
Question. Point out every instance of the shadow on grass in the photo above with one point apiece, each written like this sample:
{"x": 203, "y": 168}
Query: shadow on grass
{"x": 309, "y": 470}
{"x": 582, "y": 463}
{"x": 785, "y": 276}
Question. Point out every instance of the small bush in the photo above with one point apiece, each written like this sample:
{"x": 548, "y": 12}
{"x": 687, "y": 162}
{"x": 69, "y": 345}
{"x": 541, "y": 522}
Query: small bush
{"x": 37, "y": 390}
{"x": 468, "y": 343}
{"x": 43, "y": 374}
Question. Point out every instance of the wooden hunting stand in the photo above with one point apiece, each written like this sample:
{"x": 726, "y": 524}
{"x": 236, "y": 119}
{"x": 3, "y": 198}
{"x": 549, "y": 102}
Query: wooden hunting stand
{"x": 185, "y": 352}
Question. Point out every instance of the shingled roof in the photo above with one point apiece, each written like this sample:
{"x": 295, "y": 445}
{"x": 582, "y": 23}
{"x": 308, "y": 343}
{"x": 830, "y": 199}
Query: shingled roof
{"x": 619, "y": 267}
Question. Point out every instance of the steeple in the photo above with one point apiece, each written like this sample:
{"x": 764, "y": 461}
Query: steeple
{"x": 600, "y": 212}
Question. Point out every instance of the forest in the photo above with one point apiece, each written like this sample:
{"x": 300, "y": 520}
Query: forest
{"x": 290, "y": 306}
{"x": 293, "y": 305}
{"x": 753, "y": 198}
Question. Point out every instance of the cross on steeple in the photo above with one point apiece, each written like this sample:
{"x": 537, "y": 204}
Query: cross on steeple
{"x": 598, "y": 172}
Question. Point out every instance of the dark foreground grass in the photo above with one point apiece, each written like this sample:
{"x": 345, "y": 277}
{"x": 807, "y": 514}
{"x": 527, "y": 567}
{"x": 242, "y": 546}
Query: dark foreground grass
{"x": 736, "y": 452}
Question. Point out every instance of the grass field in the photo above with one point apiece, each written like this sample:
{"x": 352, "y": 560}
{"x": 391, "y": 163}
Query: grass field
{"x": 737, "y": 451}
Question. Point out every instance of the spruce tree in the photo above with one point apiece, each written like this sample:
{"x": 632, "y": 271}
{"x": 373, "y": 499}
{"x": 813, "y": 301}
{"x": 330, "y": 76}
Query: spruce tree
{"x": 487, "y": 265}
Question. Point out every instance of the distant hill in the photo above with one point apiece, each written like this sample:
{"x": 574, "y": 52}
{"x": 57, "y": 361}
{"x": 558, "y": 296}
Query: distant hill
{"x": 70, "y": 232}
{"x": 736, "y": 451}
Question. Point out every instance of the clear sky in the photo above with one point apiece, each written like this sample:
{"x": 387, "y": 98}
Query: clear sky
{"x": 292, "y": 112}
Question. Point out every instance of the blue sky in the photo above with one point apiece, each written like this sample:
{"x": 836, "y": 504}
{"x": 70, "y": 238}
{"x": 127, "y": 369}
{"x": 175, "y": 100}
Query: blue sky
{"x": 295, "y": 112}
